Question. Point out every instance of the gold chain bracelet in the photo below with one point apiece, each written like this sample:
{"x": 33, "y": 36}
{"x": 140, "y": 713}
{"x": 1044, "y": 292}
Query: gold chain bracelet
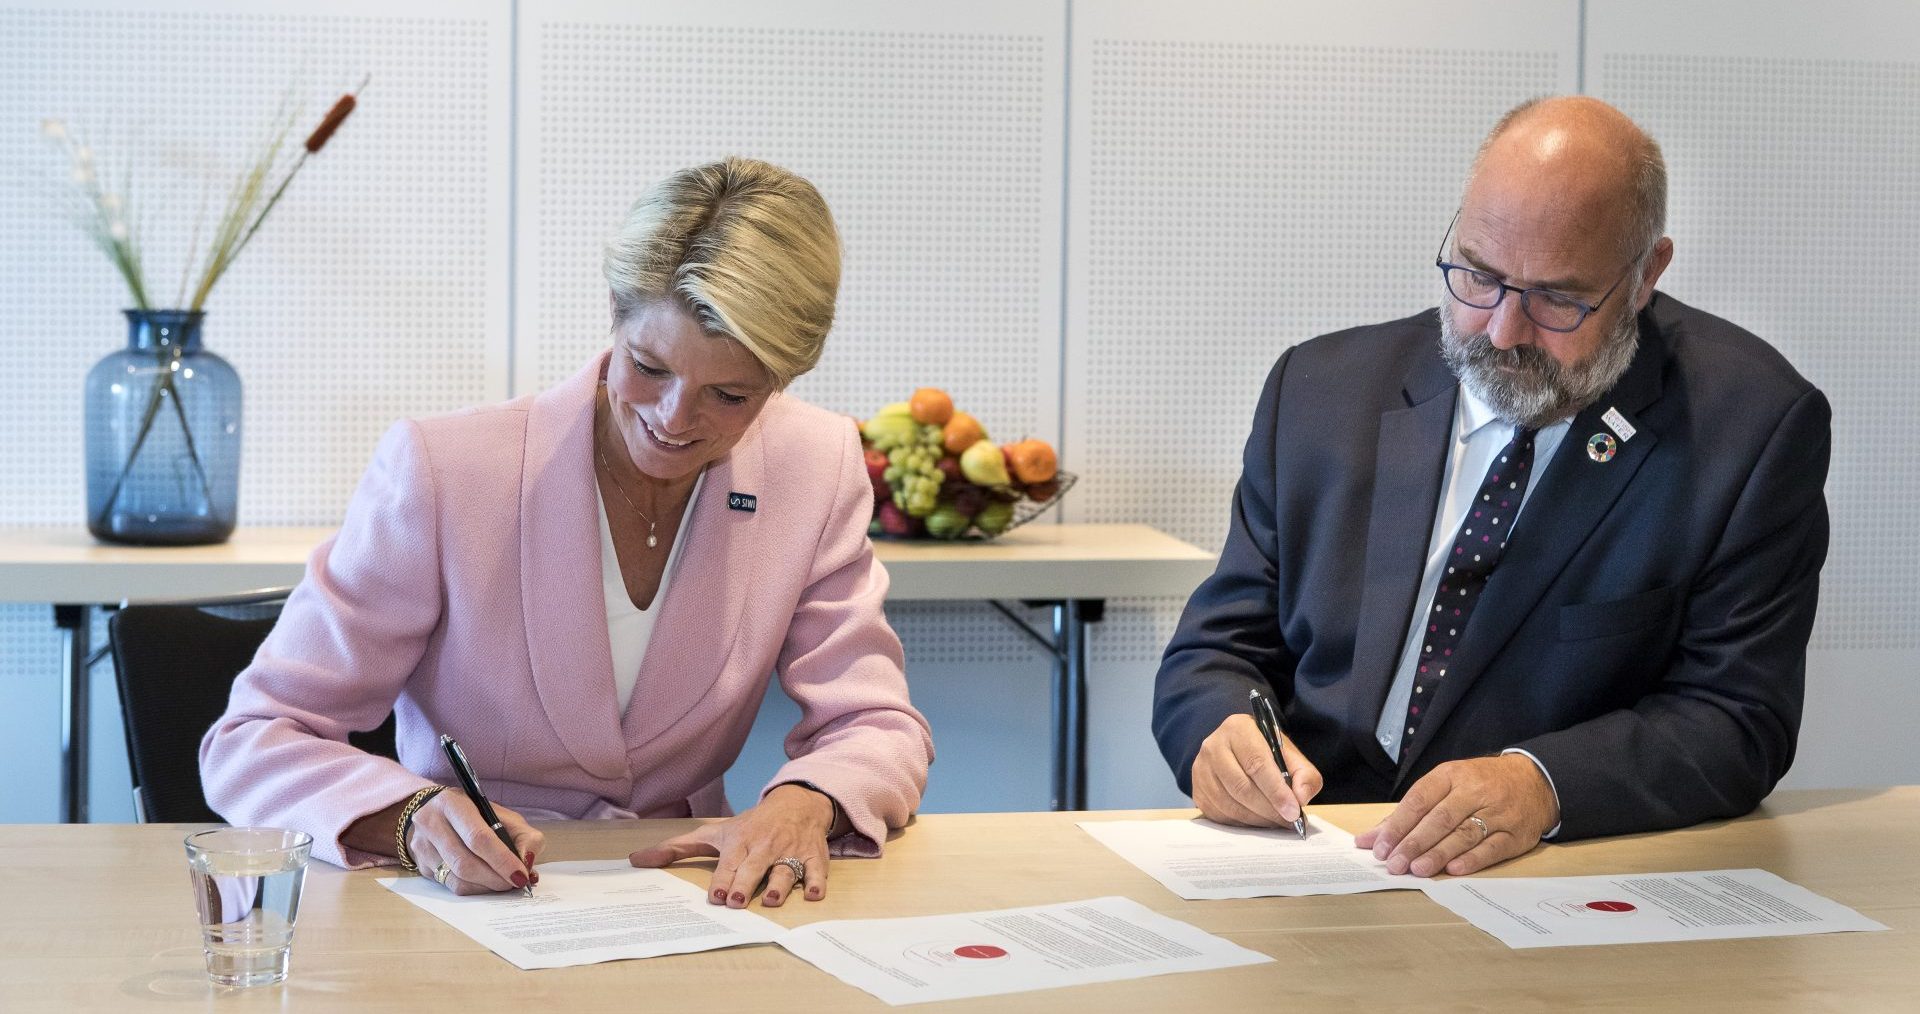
{"x": 406, "y": 822}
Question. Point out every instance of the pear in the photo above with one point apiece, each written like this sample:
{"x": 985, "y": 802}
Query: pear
{"x": 983, "y": 464}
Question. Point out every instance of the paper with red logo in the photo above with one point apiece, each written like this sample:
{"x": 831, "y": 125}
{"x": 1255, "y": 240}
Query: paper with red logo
{"x": 1643, "y": 908}
{"x": 948, "y": 957}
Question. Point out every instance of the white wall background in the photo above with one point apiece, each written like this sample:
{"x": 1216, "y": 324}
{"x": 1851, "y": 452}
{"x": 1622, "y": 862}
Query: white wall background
{"x": 1097, "y": 222}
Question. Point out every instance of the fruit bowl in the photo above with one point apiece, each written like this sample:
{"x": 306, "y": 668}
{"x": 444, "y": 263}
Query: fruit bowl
{"x": 936, "y": 474}
{"x": 1025, "y": 509}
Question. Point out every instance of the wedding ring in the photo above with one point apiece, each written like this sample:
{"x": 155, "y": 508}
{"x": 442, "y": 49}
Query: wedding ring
{"x": 798, "y": 866}
{"x": 1482, "y": 825}
{"x": 441, "y": 873}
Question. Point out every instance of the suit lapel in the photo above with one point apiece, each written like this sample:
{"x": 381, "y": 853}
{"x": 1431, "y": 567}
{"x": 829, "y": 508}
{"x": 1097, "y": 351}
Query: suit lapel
{"x": 561, "y": 594}
{"x": 1572, "y": 497}
{"x": 1409, "y": 458}
{"x": 700, "y": 615}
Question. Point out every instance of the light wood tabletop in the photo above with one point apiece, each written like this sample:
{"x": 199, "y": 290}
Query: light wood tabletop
{"x": 1036, "y": 561}
{"x": 99, "y": 919}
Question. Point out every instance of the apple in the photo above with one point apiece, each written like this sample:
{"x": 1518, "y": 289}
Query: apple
{"x": 894, "y": 521}
{"x": 877, "y": 471}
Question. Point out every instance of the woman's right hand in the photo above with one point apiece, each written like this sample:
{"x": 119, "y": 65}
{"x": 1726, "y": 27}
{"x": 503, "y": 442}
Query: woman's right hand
{"x": 448, "y": 829}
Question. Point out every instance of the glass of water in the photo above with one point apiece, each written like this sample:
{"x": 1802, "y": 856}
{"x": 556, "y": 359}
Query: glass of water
{"x": 246, "y": 882}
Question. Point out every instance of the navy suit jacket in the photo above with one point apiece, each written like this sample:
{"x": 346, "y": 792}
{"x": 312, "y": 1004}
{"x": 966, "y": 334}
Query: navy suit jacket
{"x": 1644, "y": 634}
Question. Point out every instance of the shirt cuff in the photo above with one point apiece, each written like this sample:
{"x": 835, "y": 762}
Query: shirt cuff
{"x": 1548, "y": 775}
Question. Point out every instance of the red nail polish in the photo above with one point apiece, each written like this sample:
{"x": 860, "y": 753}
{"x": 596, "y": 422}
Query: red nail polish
{"x": 739, "y": 899}
{"x": 519, "y": 879}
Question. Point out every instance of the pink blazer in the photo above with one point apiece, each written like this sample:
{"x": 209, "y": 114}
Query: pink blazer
{"x": 463, "y": 591}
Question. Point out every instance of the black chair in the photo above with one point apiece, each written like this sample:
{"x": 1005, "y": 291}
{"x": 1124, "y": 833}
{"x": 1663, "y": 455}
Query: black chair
{"x": 175, "y": 666}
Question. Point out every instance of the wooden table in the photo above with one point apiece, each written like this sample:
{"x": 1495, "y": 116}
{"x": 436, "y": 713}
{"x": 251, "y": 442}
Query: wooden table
{"x": 100, "y": 920}
{"x": 1073, "y": 568}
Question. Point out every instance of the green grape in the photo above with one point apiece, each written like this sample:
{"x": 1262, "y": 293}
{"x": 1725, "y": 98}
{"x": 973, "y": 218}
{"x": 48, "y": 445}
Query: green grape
{"x": 913, "y": 473}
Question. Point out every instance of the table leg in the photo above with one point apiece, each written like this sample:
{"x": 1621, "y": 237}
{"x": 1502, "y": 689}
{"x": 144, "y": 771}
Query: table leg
{"x": 75, "y": 711}
{"x": 1070, "y": 619}
{"x": 1074, "y": 650}
{"x": 1068, "y": 648}
{"x": 1063, "y": 699}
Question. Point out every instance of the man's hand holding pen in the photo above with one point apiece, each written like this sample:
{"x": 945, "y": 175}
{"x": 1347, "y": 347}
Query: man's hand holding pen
{"x": 1235, "y": 780}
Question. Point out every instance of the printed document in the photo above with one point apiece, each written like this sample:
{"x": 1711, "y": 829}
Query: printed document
{"x": 1643, "y": 908}
{"x": 1201, "y": 860}
{"x": 947, "y": 957}
{"x": 588, "y": 912}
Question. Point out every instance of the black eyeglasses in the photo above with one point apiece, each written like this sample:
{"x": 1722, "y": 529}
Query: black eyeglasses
{"x": 1552, "y": 311}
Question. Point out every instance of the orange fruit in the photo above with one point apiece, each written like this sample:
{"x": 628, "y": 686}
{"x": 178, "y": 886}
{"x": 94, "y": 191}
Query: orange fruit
{"x": 1031, "y": 460}
{"x": 962, "y": 432}
{"x": 931, "y": 406}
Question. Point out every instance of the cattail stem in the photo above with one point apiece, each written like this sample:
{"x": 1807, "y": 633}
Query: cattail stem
{"x": 315, "y": 141}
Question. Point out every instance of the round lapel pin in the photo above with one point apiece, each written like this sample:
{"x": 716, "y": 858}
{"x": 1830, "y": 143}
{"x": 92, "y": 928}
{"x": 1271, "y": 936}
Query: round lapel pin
{"x": 1601, "y": 448}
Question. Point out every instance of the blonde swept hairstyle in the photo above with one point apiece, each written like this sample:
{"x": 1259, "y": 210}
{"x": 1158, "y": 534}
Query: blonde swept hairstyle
{"x": 746, "y": 247}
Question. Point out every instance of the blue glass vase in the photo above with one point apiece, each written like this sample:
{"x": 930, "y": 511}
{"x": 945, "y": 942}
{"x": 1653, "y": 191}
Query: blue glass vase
{"x": 163, "y": 436}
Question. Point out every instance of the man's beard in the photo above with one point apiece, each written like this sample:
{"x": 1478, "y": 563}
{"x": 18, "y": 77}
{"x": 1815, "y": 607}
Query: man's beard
{"x": 1526, "y": 386}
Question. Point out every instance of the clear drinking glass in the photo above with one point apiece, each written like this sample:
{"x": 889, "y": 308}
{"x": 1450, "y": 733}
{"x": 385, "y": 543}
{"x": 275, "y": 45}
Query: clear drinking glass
{"x": 246, "y": 882}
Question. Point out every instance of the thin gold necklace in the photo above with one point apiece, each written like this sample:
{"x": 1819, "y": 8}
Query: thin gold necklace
{"x": 652, "y": 539}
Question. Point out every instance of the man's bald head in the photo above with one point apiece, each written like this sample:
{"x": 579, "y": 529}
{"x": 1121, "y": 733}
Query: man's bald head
{"x": 1567, "y": 197}
{"x": 1577, "y": 159}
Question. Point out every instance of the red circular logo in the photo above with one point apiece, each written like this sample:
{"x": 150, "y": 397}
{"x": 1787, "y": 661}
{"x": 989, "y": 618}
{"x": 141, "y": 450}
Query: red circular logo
{"x": 1610, "y": 906}
{"x": 979, "y": 951}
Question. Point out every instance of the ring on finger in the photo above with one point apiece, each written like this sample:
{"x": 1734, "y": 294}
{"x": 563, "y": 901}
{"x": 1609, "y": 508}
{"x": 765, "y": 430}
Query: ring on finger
{"x": 1481, "y": 825}
{"x": 798, "y": 867}
{"x": 441, "y": 873}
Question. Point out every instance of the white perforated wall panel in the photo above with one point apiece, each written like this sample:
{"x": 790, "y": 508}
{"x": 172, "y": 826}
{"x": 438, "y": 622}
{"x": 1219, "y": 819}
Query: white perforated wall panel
{"x": 375, "y": 290}
{"x": 29, "y": 668}
{"x": 1792, "y": 141}
{"x": 1244, "y": 176}
{"x": 935, "y": 135}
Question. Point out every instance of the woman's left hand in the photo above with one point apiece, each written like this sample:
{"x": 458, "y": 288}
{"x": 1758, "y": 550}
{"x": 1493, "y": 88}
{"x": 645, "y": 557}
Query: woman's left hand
{"x": 791, "y": 821}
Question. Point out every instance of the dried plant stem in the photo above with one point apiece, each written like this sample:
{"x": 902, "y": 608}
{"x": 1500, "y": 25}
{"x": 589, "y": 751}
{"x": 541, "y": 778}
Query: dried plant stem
{"x": 193, "y": 247}
{"x": 271, "y": 201}
{"x": 315, "y": 141}
{"x": 107, "y": 219}
{"x": 241, "y": 203}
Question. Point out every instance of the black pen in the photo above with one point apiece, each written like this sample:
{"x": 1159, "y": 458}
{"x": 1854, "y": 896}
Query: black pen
{"x": 458, "y": 758}
{"x": 1269, "y": 723}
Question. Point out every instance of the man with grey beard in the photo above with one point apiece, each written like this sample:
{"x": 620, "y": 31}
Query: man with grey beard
{"x": 1540, "y": 564}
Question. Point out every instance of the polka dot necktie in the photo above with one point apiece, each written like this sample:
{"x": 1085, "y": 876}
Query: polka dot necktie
{"x": 1476, "y": 549}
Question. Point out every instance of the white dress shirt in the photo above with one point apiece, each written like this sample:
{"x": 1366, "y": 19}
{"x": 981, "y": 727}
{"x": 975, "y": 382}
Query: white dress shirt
{"x": 1478, "y": 437}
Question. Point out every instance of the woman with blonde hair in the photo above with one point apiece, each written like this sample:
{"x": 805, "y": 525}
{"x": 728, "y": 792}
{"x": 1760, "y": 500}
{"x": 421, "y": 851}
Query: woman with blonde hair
{"x": 590, "y": 587}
